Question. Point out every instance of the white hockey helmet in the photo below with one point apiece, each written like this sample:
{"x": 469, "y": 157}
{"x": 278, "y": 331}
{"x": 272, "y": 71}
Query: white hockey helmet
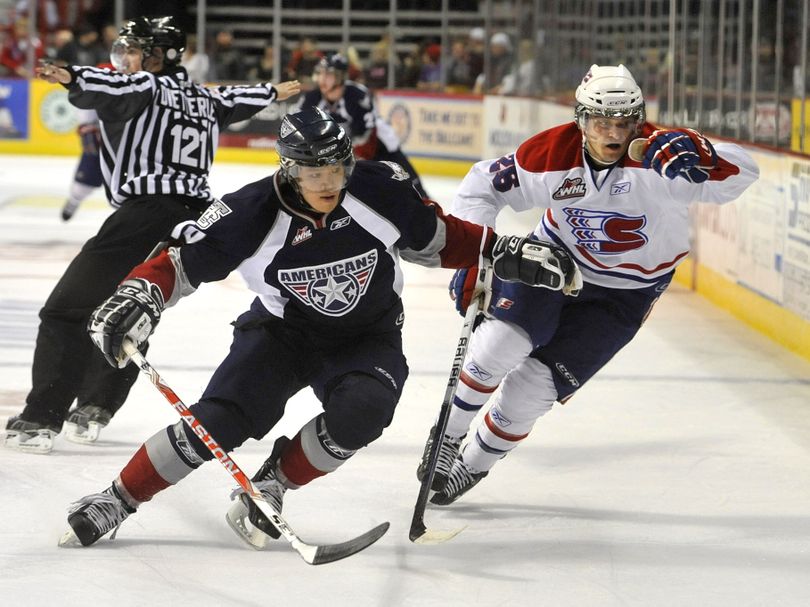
{"x": 610, "y": 91}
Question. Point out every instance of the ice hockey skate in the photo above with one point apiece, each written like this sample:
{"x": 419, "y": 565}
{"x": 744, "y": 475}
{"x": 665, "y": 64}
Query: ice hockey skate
{"x": 461, "y": 479}
{"x": 30, "y": 437}
{"x": 447, "y": 455}
{"x": 93, "y": 516}
{"x": 69, "y": 208}
{"x": 244, "y": 517}
{"x": 85, "y": 422}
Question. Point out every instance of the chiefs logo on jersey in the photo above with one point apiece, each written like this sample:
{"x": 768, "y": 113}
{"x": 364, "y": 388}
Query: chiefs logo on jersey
{"x": 606, "y": 233}
{"x": 332, "y": 289}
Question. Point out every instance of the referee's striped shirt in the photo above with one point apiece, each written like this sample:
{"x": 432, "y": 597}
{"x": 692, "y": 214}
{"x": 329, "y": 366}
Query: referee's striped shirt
{"x": 160, "y": 131}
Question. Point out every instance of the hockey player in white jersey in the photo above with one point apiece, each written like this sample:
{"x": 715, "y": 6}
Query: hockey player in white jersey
{"x": 624, "y": 222}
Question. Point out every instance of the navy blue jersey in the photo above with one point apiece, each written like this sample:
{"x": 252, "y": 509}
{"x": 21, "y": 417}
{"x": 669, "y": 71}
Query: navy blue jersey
{"x": 337, "y": 273}
{"x": 354, "y": 111}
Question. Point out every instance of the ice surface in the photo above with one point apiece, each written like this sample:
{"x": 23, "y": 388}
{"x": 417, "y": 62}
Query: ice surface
{"x": 678, "y": 476}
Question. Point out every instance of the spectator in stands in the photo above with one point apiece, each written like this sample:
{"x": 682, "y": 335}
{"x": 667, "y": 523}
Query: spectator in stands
{"x": 263, "y": 70}
{"x": 14, "y": 53}
{"x": 475, "y": 52}
{"x": 303, "y": 62}
{"x": 520, "y": 80}
{"x": 46, "y": 12}
{"x": 59, "y": 40}
{"x": 430, "y": 74}
{"x": 198, "y": 65}
{"x": 411, "y": 68}
{"x": 85, "y": 48}
{"x": 500, "y": 62}
{"x": 376, "y": 74}
{"x": 229, "y": 62}
{"x": 356, "y": 71}
{"x": 459, "y": 73}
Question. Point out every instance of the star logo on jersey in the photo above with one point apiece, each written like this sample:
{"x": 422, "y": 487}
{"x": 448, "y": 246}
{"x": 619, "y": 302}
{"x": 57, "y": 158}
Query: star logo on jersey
{"x": 606, "y": 233}
{"x": 332, "y": 289}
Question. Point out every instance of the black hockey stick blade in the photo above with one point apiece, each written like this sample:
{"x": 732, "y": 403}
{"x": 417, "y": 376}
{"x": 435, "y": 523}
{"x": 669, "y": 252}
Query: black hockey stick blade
{"x": 329, "y": 553}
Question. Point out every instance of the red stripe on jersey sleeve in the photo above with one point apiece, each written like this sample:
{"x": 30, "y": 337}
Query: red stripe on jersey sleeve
{"x": 463, "y": 245}
{"x": 159, "y": 271}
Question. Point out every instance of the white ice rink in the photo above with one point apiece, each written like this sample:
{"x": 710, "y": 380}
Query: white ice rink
{"x": 679, "y": 476}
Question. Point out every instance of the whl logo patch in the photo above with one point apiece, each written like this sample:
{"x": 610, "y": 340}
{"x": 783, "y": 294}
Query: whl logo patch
{"x": 332, "y": 289}
{"x": 570, "y": 188}
{"x": 301, "y": 235}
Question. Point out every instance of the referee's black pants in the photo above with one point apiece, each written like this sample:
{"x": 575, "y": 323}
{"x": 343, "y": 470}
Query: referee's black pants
{"x": 66, "y": 363}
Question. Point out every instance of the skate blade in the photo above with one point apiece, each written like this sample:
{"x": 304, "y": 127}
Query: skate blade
{"x": 69, "y": 540}
{"x": 41, "y": 444}
{"x": 237, "y": 518}
{"x": 76, "y": 434}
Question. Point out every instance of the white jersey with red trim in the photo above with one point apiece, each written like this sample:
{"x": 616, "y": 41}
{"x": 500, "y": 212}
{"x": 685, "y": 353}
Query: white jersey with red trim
{"x": 626, "y": 226}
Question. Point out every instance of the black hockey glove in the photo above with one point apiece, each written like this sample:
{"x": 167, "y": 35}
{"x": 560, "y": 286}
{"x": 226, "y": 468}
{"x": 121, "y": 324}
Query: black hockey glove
{"x": 535, "y": 263}
{"x": 133, "y": 312}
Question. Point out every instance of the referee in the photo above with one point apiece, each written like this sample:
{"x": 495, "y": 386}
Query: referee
{"x": 159, "y": 133}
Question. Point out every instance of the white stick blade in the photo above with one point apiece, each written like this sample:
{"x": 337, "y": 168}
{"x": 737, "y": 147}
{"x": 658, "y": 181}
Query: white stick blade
{"x": 437, "y": 536}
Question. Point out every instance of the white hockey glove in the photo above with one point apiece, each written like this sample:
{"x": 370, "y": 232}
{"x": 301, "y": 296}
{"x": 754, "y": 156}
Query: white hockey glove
{"x": 133, "y": 312}
{"x": 535, "y": 263}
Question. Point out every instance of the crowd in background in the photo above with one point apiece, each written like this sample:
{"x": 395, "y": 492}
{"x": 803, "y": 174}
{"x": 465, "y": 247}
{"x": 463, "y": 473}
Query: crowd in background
{"x": 511, "y": 68}
{"x": 84, "y": 34}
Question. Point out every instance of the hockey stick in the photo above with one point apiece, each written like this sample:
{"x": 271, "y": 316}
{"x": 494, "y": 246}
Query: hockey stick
{"x": 419, "y": 533}
{"x": 313, "y": 554}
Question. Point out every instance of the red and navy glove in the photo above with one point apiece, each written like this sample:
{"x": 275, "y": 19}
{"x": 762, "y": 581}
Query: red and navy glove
{"x": 462, "y": 288}
{"x": 680, "y": 153}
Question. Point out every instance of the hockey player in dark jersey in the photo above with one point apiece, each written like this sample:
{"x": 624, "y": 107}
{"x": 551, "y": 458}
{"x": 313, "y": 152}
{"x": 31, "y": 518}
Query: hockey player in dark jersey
{"x": 319, "y": 242}
{"x": 159, "y": 132}
{"x": 352, "y": 105}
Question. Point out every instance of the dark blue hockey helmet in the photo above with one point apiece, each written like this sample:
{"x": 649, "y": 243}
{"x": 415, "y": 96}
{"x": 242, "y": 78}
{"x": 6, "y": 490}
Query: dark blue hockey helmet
{"x": 336, "y": 64}
{"x": 312, "y": 138}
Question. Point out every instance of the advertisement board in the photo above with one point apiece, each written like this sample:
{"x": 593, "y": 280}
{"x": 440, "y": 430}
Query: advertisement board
{"x": 444, "y": 127}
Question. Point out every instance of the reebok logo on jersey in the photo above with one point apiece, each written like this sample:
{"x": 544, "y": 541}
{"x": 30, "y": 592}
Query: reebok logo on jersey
{"x": 478, "y": 372}
{"x": 301, "y": 235}
{"x": 606, "y": 233}
{"x": 620, "y": 188}
{"x": 499, "y": 419}
{"x": 570, "y": 188}
{"x": 334, "y": 288}
{"x": 340, "y": 223}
